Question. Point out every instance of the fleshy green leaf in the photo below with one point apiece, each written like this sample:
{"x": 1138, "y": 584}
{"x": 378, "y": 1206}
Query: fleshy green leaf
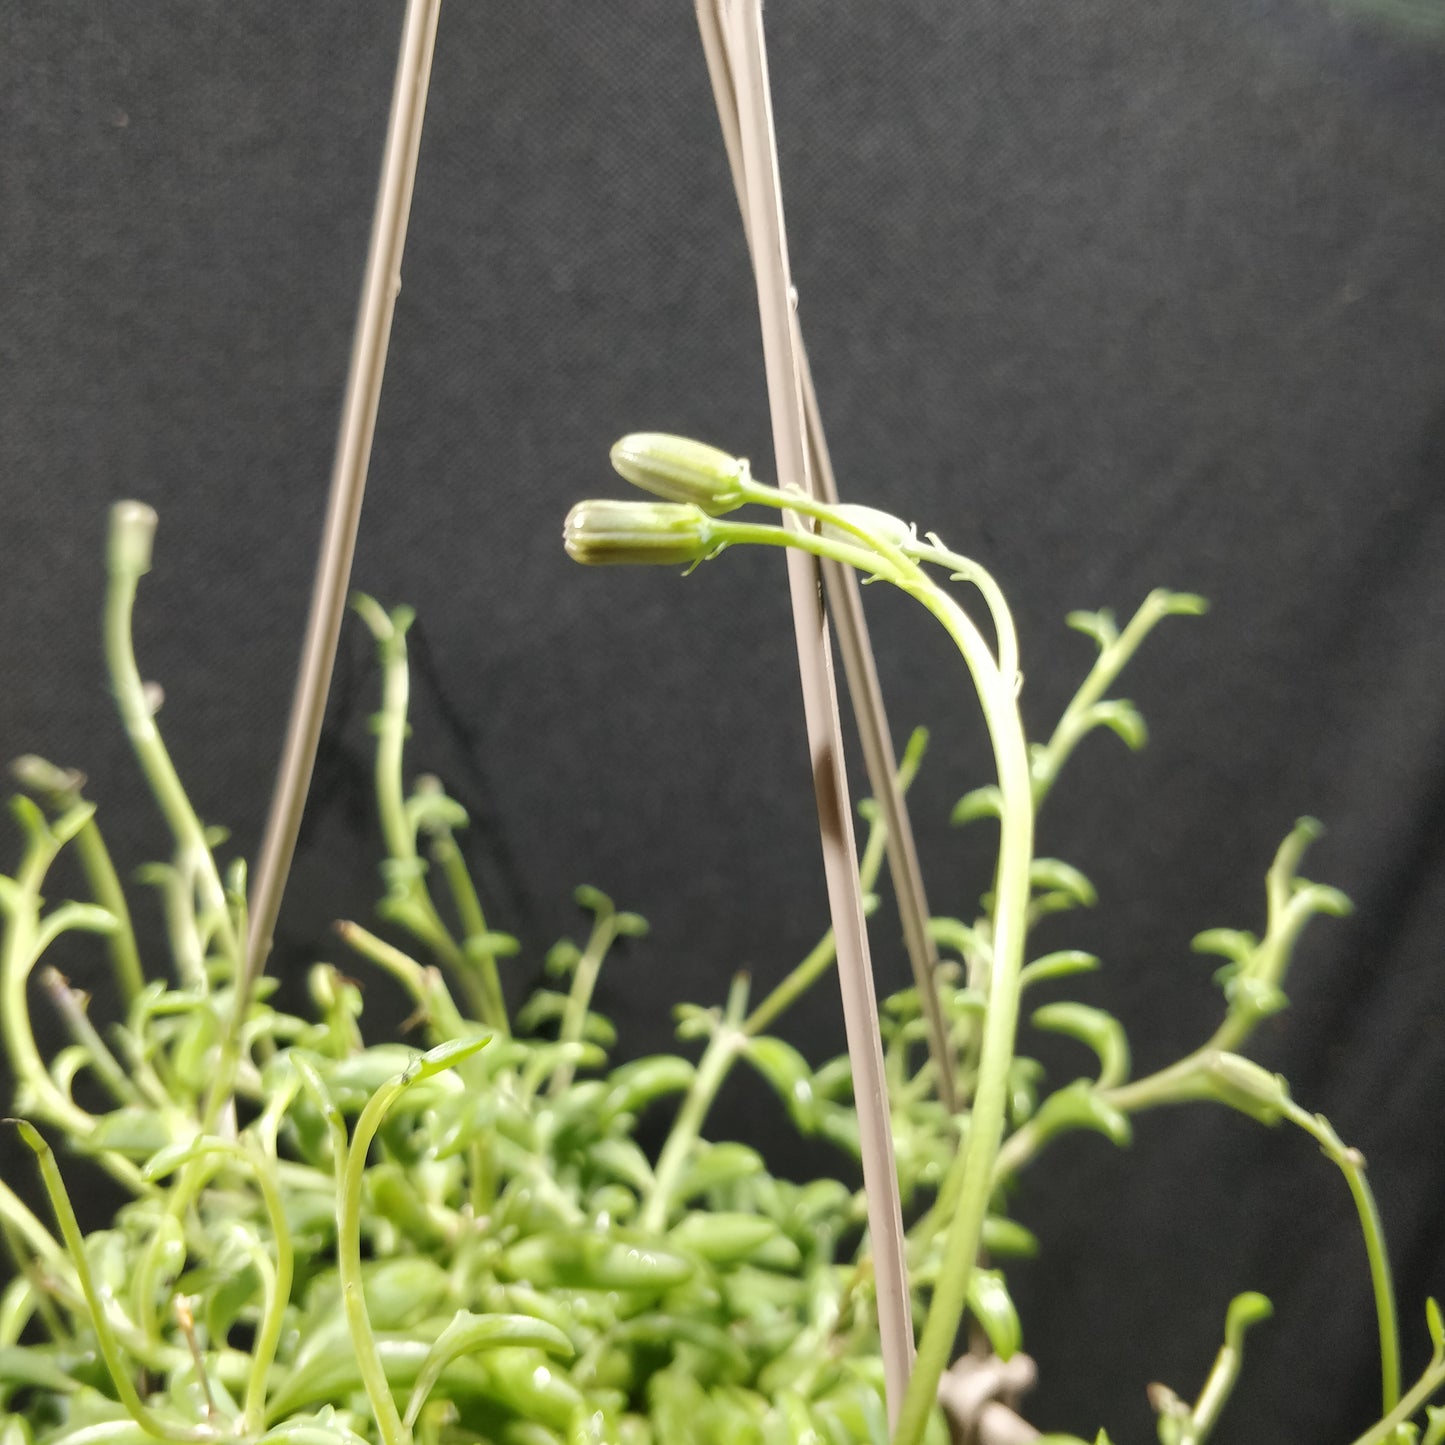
{"x": 1179, "y": 604}
{"x": 1052, "y": 877}
{"x": 985, "y": 802}
{"x": 1008, "y": 1239}
{"x": 1100, "y": 1031}
{"x": 133, "y": 1131}
{"x": 80, "y": 917}
{"x": 26, "y": 812}
{"x": 1024, "y": 1077}
{"x": 569, "y": 1260}
{"x": 593, "y": 899}
{"x": 624, "y": 1160}
{"x": 630, "y": 925}
{"x": 1245, "y": 1310}
{"x": 720, "y": 1237}
{"x": 1080, "y": 1106}
{"x": 1063, "y": 964}
{"x": 562, "y": 957}
{"x": 634, "y": 1085}
{"x": 468, "y": 1334}
{"x": 429, "y": 811}
{"x": 1099, "y": 625}
{"x": 1435, "y": 1323}
{"x": 993, "y": 1308}
{"x": 491, "y": 944}
{"x": 696, "y": 1022}
{"x": 1232, "y": 943}
{"x": 1247, "y": 1086}
{"x": 1321, "y": 898}
{"x": 790, "y": 1075}
{"x": 22, "y": 1365}
{"x": 1123, "y": 718}
{"x": 955, "y": 934}
{"x": 715, "y": 1166}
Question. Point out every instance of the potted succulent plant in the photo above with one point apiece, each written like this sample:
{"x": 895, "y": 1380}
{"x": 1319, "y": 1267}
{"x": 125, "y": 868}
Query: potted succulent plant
{"x": 483, "y": 1227}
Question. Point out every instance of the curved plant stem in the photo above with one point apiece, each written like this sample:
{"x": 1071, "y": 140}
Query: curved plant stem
{"x": 350, "y": 1174}
{"x": 1187, "y": 1081}
{"x": 132, "y": 530}
{"x": 417, "y": 912}
{"x": 1383, "y": 1431}
{"x": 110, "y": 1348}
{"x": 17, "y": 959}
{"x": 819, "y": 959}
{"x": 268, "y": 1337}
{"x": 1352, "y": 1165}
{"x": 60, "y": 788}
{"x": 425, "y": 985}
{"x": 448, "y": 855}
{"x": 723, "y": 1048}
{"x": 1074, "y": 724}
{"x": 965, "y": 569}
{"x": 1195, "y": 1427}
{"x": 1008, "y": 926}
{"x": 579, "y": 996}
{"x": 105, "y": 884}
{"x": 276, "y": 1285}
{"x": 17, "y": 1216}
{"x": 71, "y": 1005}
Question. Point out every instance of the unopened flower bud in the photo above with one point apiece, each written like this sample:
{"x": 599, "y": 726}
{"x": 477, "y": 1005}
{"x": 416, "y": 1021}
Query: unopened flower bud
{"x": 132, "y": 530}
{"x": 606, "y": 533}
{"x": 883, "y": 525}
{"x": 680, "y": 470}
{"x": 1247, "y": 1086}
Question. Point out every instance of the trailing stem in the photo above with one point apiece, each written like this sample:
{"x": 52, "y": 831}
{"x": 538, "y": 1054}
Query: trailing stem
{"x": 409, "y": 901}
{"x": 728, "y": 1041}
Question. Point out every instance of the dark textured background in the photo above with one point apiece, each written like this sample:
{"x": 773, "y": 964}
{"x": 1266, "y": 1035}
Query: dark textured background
{"x": 1111, "y": 294}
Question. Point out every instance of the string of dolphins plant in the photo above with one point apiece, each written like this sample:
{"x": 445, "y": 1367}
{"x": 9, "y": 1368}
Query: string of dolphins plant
{"x": 702, "y": 488}
{"x": 371, "y": 1242}
{"x": 465, "y": 1243}
{"x": 380, "y": 1243}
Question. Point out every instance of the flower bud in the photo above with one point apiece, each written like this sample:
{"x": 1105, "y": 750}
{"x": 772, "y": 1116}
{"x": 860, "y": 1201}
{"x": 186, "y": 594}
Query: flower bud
{"x": 882, "y": 525}
{"x": 1247, "y": 1086}
{"x": 132, "y": 530}
{"x": 604, "y": 533}
{"x": 679, "y": 470}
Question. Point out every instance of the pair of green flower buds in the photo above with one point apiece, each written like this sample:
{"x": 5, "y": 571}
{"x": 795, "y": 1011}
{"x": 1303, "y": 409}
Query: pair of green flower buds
{"x": 698, "y": 483}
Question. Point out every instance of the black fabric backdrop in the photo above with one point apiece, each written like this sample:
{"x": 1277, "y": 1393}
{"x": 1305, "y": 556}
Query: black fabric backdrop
{"x": 1111, "y": 294}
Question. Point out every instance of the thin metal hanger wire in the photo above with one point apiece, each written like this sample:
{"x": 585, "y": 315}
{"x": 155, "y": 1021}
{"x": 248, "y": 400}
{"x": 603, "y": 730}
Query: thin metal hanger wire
{"x": 380, "y": 287}
{"x": 733, "y": 36}
{"x": 846, "y": 604}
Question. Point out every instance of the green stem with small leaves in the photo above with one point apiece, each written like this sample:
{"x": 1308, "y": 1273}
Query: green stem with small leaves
{"x": 1351, "y": 1164}
{"x": 579, "y": 996}
{"x": 1414, "y": 1399}
{"x": 727, "y": 1042}
{"x": 350, "y": 1176}
{"x": 448, "y": 854}
{"x": 1114, "y": 653}
{"x": 132, "y": 532}
{"x": 417, "y": 911}
{"x": 882, "y": 558}
{"x": 110, "y": 1348}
